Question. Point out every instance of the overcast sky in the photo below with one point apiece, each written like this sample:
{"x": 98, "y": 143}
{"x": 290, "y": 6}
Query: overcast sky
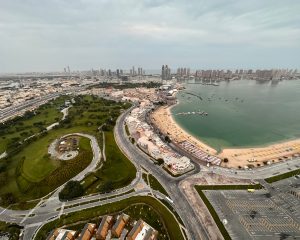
{"x": 45, "y": 35}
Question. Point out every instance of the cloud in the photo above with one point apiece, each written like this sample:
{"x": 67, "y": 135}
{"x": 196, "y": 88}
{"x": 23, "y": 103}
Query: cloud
{"x": 112, "y": 33}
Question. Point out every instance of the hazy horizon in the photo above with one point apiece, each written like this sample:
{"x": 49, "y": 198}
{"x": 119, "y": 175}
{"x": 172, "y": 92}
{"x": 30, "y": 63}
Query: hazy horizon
{"x": 44, "y": 36}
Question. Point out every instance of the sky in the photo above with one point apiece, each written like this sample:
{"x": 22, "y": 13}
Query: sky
{"x": 48, "y": 35}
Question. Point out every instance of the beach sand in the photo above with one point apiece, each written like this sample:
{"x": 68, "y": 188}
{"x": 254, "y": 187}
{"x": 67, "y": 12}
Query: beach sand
{"x": 163, "y": 119}
{"x": 259, "y": 156}
{"x": 237, "y": 157}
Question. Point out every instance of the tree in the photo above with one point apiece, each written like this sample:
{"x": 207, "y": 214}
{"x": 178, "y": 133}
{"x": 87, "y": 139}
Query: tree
{"x": 160, "y": 161}
{"x": 8, "y": 198}
{"x": 253, "y": 214}
{"x": 225, "y": 160}
{"x": 72, "y": 189}
{"x": 107, "y": 186}
{"x": 167, "y": 139}
{"x": 3, "y": 178}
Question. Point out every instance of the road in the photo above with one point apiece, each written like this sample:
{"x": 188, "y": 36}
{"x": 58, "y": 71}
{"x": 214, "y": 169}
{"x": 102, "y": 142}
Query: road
{"x": 14, "y": 110}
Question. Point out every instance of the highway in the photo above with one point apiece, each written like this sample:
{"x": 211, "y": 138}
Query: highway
{"x": 14, "y": 110}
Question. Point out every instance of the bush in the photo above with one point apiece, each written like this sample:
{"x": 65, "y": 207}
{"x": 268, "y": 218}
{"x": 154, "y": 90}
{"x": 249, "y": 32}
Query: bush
{"x": 167, "y": 139}
{"x": 160, "y": 161}
{"x": 8, "y": 198}
{"x": 72, "y": 189}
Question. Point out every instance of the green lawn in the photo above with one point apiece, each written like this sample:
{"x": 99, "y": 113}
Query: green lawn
{"x": 147, "y": 208}
{"x": 39, "y": 174}
{"x": 29, "y": 173}
{"x": 154, "y": 184}
{"x": 116, "y": 172}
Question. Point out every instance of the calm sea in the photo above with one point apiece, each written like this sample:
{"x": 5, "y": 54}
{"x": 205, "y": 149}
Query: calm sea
{"x": 241, "y": 113}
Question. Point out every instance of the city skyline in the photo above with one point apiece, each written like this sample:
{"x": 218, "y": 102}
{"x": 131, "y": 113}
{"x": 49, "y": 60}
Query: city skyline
{"x": 36, "y": 36}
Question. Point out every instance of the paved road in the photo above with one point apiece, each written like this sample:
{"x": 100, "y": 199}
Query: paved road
{"x": 15, "y": 110}
{"x": 258, "y": 173}
{"x": 11, "y": 111}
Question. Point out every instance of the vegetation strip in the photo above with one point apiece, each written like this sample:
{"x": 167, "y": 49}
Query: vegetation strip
{"x": 154, "y": 184}
{"x": 229, "y": 187}
{"x": 283, "y": 176}
{"x": 213, "y": 214}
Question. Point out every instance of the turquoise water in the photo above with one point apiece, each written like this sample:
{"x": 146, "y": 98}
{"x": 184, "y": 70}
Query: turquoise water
{"x": 241, "y": 113}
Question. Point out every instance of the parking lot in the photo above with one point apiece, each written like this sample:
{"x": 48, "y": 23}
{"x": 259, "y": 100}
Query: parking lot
{"x": 270, "y": 213}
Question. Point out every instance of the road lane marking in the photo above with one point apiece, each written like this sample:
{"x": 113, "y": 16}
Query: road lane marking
{"x": 3, "y": 211}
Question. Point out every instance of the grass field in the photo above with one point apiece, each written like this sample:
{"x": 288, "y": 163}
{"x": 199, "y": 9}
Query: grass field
{"x": 39, "y": 174}
{"x": 154, "y": 184}
{"x": 117, "y": 171}
{"x": 30, "y": 173}
{"x": 147, "y": 208}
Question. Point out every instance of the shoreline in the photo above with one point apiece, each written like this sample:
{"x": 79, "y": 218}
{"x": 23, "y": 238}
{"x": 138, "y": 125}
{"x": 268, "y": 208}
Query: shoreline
{"x": 238, "y": 157}
{"x": 211, "y": 150}
{"x": 163, "y": 117}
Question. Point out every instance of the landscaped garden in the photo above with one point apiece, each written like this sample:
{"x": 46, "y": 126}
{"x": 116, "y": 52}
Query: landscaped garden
{"x": 29, "y": 172}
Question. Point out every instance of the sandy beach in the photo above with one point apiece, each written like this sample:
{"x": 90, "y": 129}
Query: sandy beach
{"x": 163, "y": 119}
{"x": 237, "y": 157}
{"x": 260, "y": 156}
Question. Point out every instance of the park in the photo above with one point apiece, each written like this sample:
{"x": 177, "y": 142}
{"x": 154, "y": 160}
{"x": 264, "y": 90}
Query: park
{"x": 29, "y": 172}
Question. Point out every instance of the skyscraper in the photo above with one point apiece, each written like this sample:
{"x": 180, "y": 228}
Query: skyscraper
{"x": 165, "y": 72}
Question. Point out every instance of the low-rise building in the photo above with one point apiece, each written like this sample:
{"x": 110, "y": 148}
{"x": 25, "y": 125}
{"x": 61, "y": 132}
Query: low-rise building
{"x": 87, "y": 232}
{"x": 137, "y": 228}
{"x": 118, "y": 227}
{"x": 62, "y": 234}
{"x": 104, "y": 226}
{"x": 140, "y": 230}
